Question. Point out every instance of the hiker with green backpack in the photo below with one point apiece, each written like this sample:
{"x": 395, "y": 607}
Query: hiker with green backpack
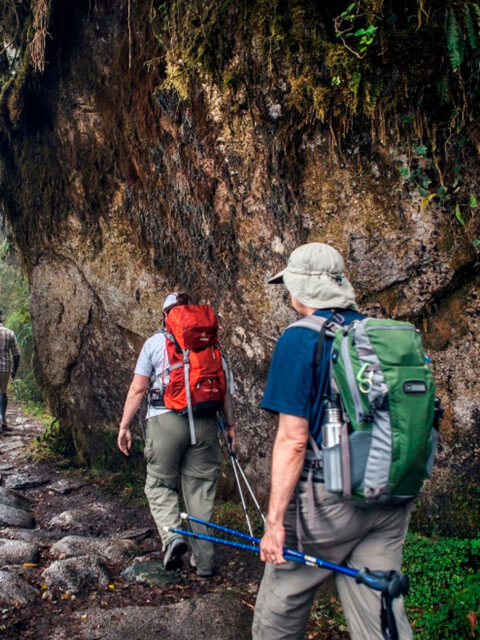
{"x": 356, "y": 438}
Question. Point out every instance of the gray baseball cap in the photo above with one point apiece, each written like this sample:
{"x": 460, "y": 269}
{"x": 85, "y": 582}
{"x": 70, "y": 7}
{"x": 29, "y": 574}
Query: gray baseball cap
{"x": 315, "y": 276}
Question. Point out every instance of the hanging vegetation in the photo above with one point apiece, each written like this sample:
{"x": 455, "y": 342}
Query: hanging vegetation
{"x": 408, "y": 71}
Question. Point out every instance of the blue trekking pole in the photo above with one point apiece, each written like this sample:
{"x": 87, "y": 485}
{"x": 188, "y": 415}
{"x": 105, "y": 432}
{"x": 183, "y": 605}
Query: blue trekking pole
{"x": 377, "y": 580}
{"x": 391, "y": 584}
{"x": 237, "y": 468}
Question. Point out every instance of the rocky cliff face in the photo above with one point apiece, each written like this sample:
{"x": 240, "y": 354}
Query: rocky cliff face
{"x": 119, "y": 190}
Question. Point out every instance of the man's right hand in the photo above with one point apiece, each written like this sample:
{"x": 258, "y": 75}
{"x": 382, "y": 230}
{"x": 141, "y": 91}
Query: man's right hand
{"x": 13, "y": 374}
{"x": 124, "y": 440}
{"x": 232, "y": 436}
{"x": 271, "y": 545}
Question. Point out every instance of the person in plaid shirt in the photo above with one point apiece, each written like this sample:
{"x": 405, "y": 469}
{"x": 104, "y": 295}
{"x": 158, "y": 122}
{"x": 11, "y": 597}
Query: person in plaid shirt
{"x": 8, "y": 345}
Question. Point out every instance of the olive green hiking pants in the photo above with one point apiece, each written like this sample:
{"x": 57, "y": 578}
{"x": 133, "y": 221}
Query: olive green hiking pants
{"x": 170, "y": 457}
{"x": 344, "y": 535}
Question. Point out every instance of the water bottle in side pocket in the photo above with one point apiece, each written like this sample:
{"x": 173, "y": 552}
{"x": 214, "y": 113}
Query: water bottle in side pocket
{"x": 331, "y": 447}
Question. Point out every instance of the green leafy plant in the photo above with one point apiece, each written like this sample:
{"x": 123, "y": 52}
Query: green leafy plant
{"x": 466, "y": 217}
{"x": 455, "y": 40}
{"x": 361, "y": 37}
{"x": 470, "y": 29}
{"x": 444, "y": 596}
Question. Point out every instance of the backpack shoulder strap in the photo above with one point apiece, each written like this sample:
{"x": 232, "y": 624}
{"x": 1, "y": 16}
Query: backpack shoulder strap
{"x": 308, "y": 322}
{"x": 323, "y": 326}
{"x": 316, "y": 323}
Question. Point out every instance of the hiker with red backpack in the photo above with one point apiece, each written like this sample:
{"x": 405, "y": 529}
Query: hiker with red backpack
{"x": 185, "y": 373}
{"x": 344, "y": 471}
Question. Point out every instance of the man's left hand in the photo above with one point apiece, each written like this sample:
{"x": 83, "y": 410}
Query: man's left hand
{"x": 13, "y": 374}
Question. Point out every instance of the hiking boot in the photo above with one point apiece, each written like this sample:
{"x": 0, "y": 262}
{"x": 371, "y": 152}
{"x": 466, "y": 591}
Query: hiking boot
{"x": 173, "y": 554}
{"x": 5, "y": 426}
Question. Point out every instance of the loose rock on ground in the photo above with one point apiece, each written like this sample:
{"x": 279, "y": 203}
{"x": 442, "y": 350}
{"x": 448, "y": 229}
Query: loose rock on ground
{"x": 77, "y": 563}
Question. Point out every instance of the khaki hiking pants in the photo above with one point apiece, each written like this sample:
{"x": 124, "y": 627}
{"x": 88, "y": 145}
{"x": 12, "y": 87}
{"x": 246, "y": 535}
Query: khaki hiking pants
{"x": 170, "y": 456}
{"x": 345, "y": 535}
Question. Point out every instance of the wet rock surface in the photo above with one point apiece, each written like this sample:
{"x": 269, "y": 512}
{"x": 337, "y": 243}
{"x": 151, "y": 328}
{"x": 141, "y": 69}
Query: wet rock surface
{"x": 14, "y": 498}
{"x": 74, "y": 575}
{"x": 151, "y": 572}
{"x": 17, "y": 552}
{"x": 76, "y": 562}
{"x": 15, "y": 591}
{"x": 26, "y": 480}
{"x": 35, "y": 536}
{"x": 14, "y": 517}
{"x": 113, "y": 550}
{"x": 66, "y": 485}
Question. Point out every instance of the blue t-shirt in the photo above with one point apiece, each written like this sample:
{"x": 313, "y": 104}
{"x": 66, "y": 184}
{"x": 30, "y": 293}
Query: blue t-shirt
{"x": 294, "y": 386}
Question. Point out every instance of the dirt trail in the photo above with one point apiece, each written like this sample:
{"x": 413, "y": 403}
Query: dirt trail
{"x": 64, "y": 503}
{"x": 54, "y": 614}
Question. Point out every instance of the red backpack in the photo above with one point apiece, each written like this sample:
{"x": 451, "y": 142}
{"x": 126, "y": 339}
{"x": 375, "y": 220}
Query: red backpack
{"x": 198, "y": 380}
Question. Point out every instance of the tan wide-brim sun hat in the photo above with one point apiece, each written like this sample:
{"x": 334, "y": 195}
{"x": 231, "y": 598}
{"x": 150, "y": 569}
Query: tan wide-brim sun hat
{"x": 315, "y": 276}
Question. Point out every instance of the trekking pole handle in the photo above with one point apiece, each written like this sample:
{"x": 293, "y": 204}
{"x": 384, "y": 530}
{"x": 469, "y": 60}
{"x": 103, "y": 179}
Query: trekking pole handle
{"x": 228, "y": 441}
{"x": 389, "y": 582}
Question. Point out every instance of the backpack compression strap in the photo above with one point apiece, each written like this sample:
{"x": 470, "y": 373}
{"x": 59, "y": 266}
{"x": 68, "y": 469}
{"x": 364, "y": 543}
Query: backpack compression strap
{"x": 186, "y": 372}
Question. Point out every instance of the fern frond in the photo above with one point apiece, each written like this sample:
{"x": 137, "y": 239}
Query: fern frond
{"x": 455, "y": 41}
{"x": 470, "y": 29}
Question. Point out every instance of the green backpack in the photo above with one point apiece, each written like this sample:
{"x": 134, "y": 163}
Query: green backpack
{"x": 384, "y": 443}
